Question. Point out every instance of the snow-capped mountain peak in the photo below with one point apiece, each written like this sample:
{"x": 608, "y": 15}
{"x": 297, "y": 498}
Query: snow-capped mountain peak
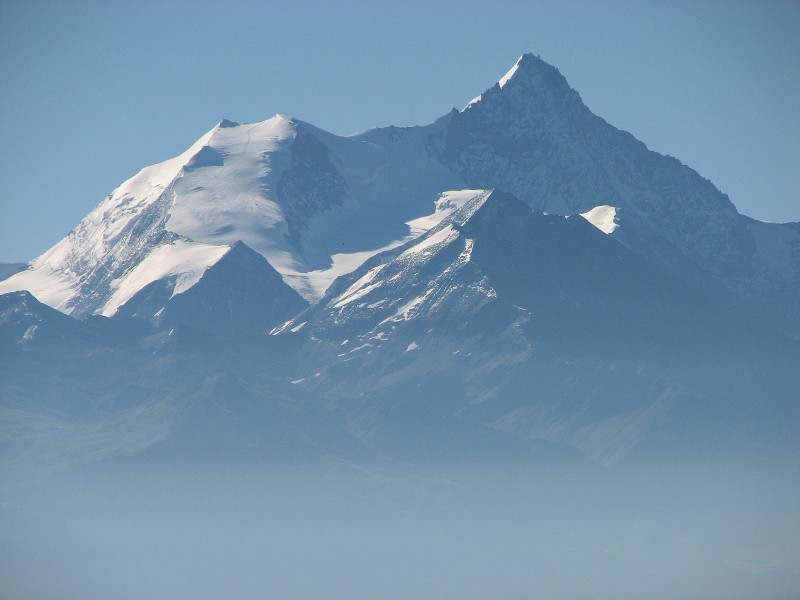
{"x": 284, "y": 188}
{"x": 530, "y": 69}
{"x": 175, "y": 218}
{"x": 530, "y": 83}
{"x": 316, "y": 205}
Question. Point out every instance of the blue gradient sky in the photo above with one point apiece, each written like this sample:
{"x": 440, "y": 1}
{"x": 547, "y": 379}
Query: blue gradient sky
{"x": 90, "y": 92}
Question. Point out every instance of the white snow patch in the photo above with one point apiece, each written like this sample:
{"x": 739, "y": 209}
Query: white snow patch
{"x": 281, "y": 328}
{"x": 360, "y": 288}
{"x": 357, "y": 348}
{"x": 403, "y": 313}
{"x": 312, "y": 285}
{"x": 603, "y": 217}
{"x": 228, "y": 202}
{"x": 443, "y": 236}
{"x": 507, "y": 77}
{"x": 28, "y": 335}
{"x": 232, "y": 198}
{"x": 466, "y": 253}
{"x": 446, "y": 204}
{"x": 50, "y": 285}
{"x": 475, "y": 100}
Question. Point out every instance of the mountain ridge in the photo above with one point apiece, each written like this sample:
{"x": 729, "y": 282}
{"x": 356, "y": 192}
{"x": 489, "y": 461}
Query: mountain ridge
{"x": 294, "y": 192}
{"x": 487, "y": 313}
{"x": 340, "y": 354}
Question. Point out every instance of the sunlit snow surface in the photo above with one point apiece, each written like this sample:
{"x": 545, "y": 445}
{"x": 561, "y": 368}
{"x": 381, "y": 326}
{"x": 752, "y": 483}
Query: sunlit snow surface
{"x": 50, "y": 277}
{"x": 225, "y": 193}
{"x": 446, "y": 205}
{"x": 507, "y": 77}
{"x": 179, "y": 217}
{"x": 603, "y": 217}
{"x": 472, "y": 102}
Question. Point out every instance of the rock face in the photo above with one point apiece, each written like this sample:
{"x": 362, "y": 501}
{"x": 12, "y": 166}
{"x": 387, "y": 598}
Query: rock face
{"x": 531, "y": 135}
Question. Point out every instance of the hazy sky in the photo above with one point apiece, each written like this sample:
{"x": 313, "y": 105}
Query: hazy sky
{"x": 90, "y": 92}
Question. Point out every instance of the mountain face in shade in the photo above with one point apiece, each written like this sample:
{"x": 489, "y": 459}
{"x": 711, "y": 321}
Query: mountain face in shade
{"x": 239, "y": 295}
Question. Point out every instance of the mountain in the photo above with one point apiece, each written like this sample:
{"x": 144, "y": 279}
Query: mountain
{"x": 575, "y": 251}
{"x": 241, "y": 294}
{"x": 510, "y": 350}
{"x": 272, "y": 186}
{"x": 487, "y": 315}
{"x": 103, "y": 390}
{"x": 531, "y": 135}
{"x": 316, "y": 205}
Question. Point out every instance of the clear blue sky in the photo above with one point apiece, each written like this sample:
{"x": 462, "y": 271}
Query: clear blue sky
{"x": 90, "y": 92}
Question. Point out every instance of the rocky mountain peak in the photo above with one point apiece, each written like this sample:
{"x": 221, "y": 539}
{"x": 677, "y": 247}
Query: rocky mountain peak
{"x": 531, "y": 85}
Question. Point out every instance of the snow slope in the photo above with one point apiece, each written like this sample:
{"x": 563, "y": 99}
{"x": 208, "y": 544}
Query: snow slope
{"x": 271, "y": 185}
